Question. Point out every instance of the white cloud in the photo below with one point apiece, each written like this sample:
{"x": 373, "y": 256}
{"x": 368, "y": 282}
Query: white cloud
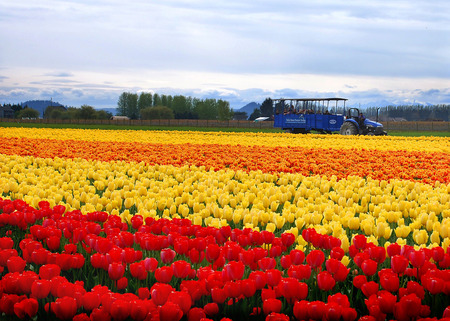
{"x": 230, "y": 48}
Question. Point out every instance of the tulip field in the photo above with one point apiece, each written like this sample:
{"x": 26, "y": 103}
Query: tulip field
{"x": 180, "y": 225}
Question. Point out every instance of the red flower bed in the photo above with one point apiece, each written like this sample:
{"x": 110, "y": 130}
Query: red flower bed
{"x": 65, "y": 265}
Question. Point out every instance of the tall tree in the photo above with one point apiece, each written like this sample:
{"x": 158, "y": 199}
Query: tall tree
{"x": 256, "y": 113}
{"x": 29, "y": 113}
{"x": 88, "y": 112}
{"x": 223, "y": 110}
{"x": 267, "y": 108}
{"x": 181, "y": 107}
{"x": 157, "y": 112}
{"x": 206, "y": 109}
{"x": 145, "y": 100}
{"x": 127, "y": 105}
{"x": 156, "y": 100}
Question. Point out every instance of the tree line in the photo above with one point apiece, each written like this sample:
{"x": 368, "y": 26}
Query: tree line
{"x": 439, "y": 112}
{"x": 58, "y": 112}
{"x": 158, "y": 106}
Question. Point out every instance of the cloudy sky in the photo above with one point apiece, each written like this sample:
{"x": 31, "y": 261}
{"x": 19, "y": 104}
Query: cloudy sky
{"x": 90, "y": 51}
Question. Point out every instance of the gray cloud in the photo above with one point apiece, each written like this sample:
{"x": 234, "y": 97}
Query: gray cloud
{"x": 378, "y": 39}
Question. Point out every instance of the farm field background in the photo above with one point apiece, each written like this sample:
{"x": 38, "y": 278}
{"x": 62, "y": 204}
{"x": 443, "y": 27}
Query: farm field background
{"x": 406, "y": 133}
{"x": 170, "y": 225}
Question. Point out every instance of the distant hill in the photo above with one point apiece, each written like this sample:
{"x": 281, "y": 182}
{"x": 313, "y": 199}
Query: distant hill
{"x": 40, "y": 105}
{"x": 249, "y": 108}
{"x": 113, "y": 111}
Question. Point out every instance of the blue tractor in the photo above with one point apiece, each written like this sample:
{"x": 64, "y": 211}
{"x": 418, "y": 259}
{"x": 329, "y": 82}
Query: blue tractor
{"x": 302, "y": 115}
{"x": 356, "y": 124}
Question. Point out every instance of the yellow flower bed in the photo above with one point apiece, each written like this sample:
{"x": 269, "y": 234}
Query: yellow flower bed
{"x": 427, "y": 144}
{"x": 386, "y": 211}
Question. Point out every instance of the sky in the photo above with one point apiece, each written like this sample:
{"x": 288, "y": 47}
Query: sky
{"x": 80, "y": 52}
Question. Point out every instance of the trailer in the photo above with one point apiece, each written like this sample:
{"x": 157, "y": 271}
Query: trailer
{"x": 301, "y": 115}
{"x": 324, "y": 115}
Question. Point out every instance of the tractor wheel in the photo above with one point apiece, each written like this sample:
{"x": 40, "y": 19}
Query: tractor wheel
{"x": 348, "y": 129}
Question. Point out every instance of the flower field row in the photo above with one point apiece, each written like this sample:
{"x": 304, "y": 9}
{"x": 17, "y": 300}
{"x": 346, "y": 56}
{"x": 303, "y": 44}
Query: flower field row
{"x": 386, "y": 143}
{"x": 383, "y": 165}
{"x": 135, "y": 225}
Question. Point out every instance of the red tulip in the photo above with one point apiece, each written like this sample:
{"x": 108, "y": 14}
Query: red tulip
{"x": 377, "y": 253}
{"x": 369, "y": 267}
{"x": 100, "y": 315}
{"x": 297, "y": 256}
{"x": 315, "y": 258}
{"x": 182, "y": 299}
{"x": 248, "y": 287}
{"x": 386, "y": 302}
{"x": 181, "y": 245}
{"x": 115, "y": 271}
{"x": 267, "y": 263}
{"x": 369, "y": 288}
{"x": 438, "y": 254}
{"x": 15, "y": 264}
{"x": 232, "y": 289}
{"x": 337, "y": 253}
{"x": 64, "y": 261}
{"x": 360, "y": 241}
{"x": 273, "y": 277}
{"x": 287, "y": 239}
{"x": 167, "y": 255}
{"x": 160, "y": 293}
{"x": 211, "y": 309}
{"x": 271, "y": 305}
{"x": 234, "y": 270}
{"x": 247, "y": 257}
{"x": 316, "y": 310}
{"x": 389, "y": 281}
{"x": 268, "y": 294}
{"x": 40, "y": 289}
{"x": 6, "y": 254}
{"x": 138, "y": 271}
{"x": 65, "y": 308}
{"x": 150, "y": 264}
{"x": 139, "y": 310}
{"x": 99, "y": 261}
{"x": 170, "y": 312}
{"x": 143, "y": 293}
{"x": 53, "y": 243}
{"x": 196, "y": 314}
{"x": 417, "y": 258}
{"x": 137, "y": 221}
{"x": 260, "y": 279}
{"x": 349, "y": 314}
{"x": 399, "y": 263}
{"x": 393, "y": 249}
{"x": 26, "y": 307}
{"x": 325, "y": 281}
{"x": 164, "y": 274}
{"x": 434, "y": 285}
{"x": 340, "y": 299}
{"x": 212, "y": 252}
{"x": 333, "y": 265}
{"x": 413, "y": 287}
{"x": 267, "y": 237}
{"x": 285, "y": 261}
{"x": 219, "y": 295}
{"x": 342, "y": 273}
{"x": 6, "y": 243}
{"x": 120, "y": 309}
{"x": 333, "y": 312}
{"x": 273, "y": 316}
{"x": 90, "y": 301}
{"x": 300, "y": 310}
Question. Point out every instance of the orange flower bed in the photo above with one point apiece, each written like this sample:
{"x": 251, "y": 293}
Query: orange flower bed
{"x": 383, "y": 165}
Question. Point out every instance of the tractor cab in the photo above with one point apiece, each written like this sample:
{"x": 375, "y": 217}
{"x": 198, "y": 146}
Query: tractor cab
{"x": 357, "y": 124}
